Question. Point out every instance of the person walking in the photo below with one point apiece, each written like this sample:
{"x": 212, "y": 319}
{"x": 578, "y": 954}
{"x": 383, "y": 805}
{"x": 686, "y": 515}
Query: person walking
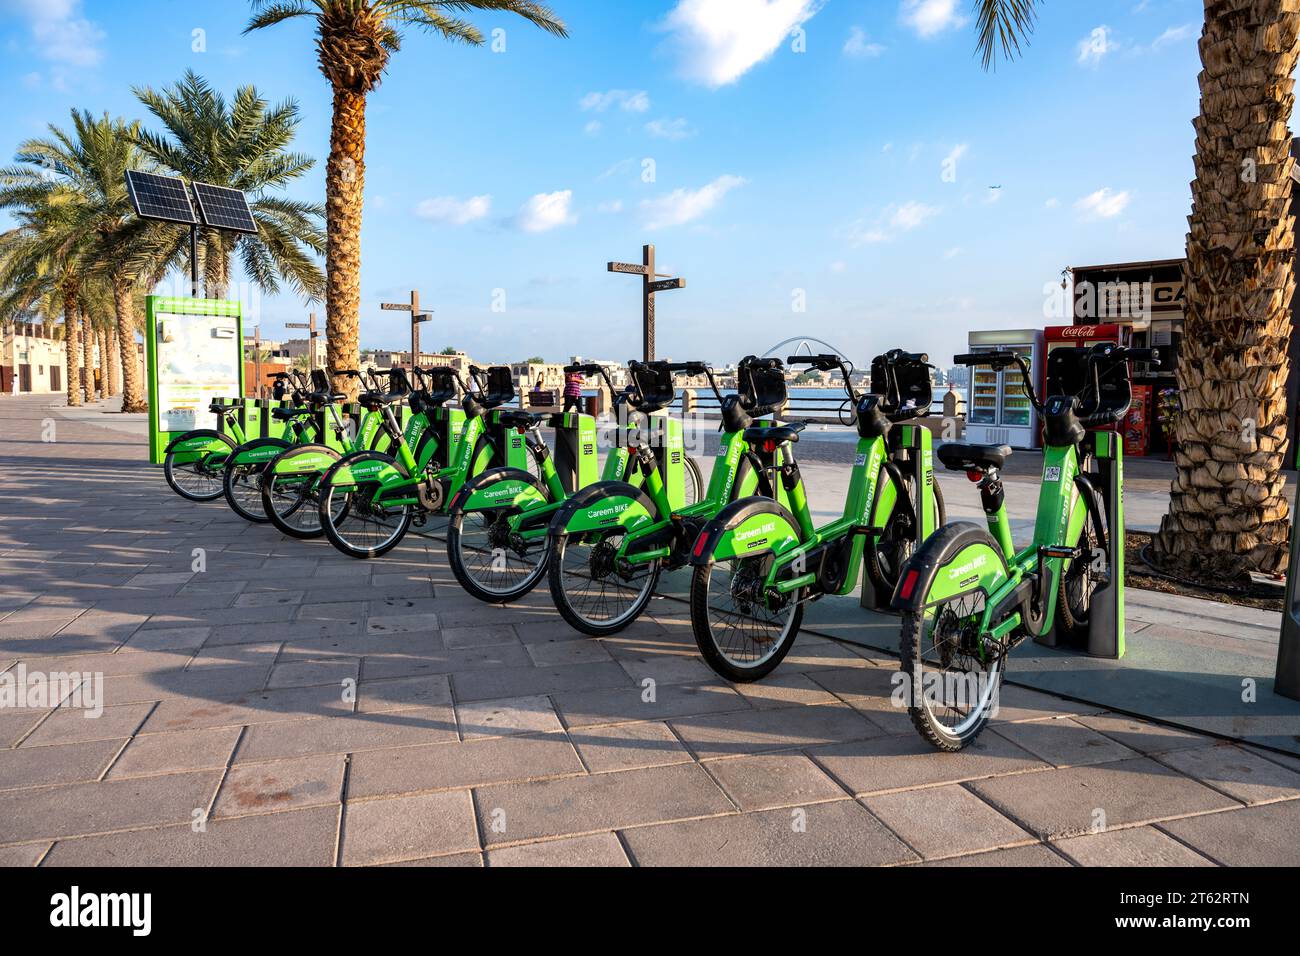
{"x": 573, "y": 382}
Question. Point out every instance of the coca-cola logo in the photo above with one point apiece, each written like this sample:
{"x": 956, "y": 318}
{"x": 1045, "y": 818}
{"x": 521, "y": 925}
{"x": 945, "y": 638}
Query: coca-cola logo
{"x": 1078, "y": 332}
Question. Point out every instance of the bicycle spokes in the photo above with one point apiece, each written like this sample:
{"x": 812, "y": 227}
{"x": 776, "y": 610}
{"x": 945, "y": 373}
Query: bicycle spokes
{"x": 959, "y": 667}
{"x": 747, "y": 624}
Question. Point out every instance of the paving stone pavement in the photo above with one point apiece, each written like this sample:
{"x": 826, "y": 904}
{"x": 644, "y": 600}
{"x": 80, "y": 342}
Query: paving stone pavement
{"x": 284, "y": 705}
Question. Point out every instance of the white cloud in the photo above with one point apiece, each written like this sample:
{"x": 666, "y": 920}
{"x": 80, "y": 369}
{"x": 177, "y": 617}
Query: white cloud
{"x": 686, "y": 205}
{"x": 952, "y": 253}
{"x": 1174, "y": 35}
{"x": 669, "y": 129}
{"x": 859, "y": 45}
{"x": 592, "y": 128}
{"x": 1105, "y": 203}
{"x": 1052, "y": 203}
{"x": 931, "y": 17}
{"x": 895, "y": 219}
{"x": 912, "y": 214}
{"x": 993, "y": 196}
{"x": 453, "y": 211}
{"x": 547, "y": 211}
{"x": 59, "y": 31}
{"x": 613, "y": 206}
{"x": 719, "y": 41}
{"x": 630, "y": 101}
{"x": 1094, "y": 47}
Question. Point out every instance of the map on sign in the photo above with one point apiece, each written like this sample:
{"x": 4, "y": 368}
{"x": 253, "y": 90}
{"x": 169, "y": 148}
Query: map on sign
{"x": 197, "y": 359}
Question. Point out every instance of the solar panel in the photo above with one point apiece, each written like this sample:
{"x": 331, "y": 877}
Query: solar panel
{"x": 160, "y": 197}
{"x": 224, "y": 208}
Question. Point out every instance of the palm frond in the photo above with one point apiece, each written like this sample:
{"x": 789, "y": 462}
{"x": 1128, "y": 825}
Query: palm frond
{"x": 1003, "y": 24}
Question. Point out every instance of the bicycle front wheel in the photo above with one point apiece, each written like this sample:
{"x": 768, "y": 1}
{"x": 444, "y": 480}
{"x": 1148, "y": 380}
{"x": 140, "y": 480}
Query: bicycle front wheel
{"x": 290, "y": 493}
{"x": 742, "y": 632}
{"x": 490, "y": 563}
{"x": 593, "y": 589}
{"x": 355, "y": 519}
{"x": 198, "y": 479}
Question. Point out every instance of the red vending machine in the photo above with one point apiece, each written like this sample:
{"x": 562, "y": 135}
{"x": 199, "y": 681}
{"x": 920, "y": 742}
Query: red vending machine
{"x": 1137, "y": 426}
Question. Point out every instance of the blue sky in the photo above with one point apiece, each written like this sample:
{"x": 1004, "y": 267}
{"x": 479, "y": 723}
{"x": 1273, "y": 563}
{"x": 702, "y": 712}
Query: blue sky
{"x": 834, "y": 157}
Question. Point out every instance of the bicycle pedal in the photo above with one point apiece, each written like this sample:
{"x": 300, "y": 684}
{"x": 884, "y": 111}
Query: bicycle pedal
{"x": 1060, "y": 551}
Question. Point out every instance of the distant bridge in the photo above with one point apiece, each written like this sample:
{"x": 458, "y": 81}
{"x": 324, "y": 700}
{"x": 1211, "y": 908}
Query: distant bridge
{"x": 803, "y": 342}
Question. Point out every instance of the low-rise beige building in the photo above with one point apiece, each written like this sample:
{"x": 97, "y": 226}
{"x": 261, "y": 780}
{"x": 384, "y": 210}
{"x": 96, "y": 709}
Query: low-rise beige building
{"x": 32, "y": 361}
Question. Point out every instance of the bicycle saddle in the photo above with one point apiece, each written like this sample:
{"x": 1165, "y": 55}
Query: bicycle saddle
{"x": 759, "y": 436}
{"x": 958, "y": 456}
{"x": 288, "y": 414}
{"x": 374, "y": 400}
{"x": 512, "y": 418}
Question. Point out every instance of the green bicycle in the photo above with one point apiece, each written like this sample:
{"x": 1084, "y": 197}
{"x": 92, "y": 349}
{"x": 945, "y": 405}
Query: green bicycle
{"x": 968, "y": 598}
{"x": 611, "y": 541}
{"x": 194, "y": 462}
{"x": 290, "y": 484}
{"x": 315, "y": 419}
{"x": 368, "y": 500}
{"x": 757, "y": 563}
{"x": 498, "y": 541}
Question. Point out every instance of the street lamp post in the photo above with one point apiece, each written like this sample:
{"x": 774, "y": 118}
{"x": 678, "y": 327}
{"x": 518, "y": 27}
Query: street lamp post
{"x": 651, "y": 283}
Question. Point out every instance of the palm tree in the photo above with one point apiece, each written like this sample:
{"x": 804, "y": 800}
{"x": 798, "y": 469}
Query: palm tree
{"x": 354, "y": 40}
{"x": 242, "y": 144}
{"x": 1228, "y": 512}
{"x": 69, "y": 194}
{"x": 1003, "y": 24}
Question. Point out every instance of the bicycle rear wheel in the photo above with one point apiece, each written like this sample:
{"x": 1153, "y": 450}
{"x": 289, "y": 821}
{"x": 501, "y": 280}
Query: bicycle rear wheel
{"x": 198, "y": 479}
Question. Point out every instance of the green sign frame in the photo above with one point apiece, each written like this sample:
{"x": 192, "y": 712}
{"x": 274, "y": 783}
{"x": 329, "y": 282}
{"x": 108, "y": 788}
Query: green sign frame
{"x": 160, "y": 305}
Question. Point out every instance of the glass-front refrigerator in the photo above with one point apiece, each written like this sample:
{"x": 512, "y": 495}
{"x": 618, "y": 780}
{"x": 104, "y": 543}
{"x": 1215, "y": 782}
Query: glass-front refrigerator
{"x": 998, "y": 411}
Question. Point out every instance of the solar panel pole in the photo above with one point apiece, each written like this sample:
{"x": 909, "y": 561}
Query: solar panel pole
{"x": 196, "y": 287}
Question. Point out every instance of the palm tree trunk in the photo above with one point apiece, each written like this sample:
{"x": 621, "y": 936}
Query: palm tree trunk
{"x": 344, "y": 187}
{"x": 71, "y": 341}
{"x": 87, "y": 357}
{"x": 1228, "y": 511}
{"x": 133, "y": 399}
{"x": 112, "y": 361}
{"x": 104, "y": 363}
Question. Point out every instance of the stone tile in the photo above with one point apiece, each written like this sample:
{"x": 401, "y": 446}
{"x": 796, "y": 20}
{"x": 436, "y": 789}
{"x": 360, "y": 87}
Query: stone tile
{"x": 755, "y": 731}
{"x": 288, "y": 703}
{"x": 556, "y": 653}
{"x": 516, "y": 715}
{"x": 1034, "y": 855}
{"x": 408, "y": 828}
{"x": 1143, "y": 736}
{"x": 1255, "y": 836}
{"x": 86, "y": 808}
{"x": 450, "y": 860}
{"x": 176, "y": 752}
{"x": 784, "y": 690}
{"x": 1063, "y": 803}
{"x": 907, "y": 761}
{"x": 574, "y": 805}
{"x": 1064, "y": 742}
{"x": 281, "y": 785}
{"x": 457, "y": 765}
{"x": 597, "y": 849}
{"x": 403, "y": 624}
{"x": 525, "y": 681}
{"x": 1236, "y": 772}
{"x": 629, "y": 746}
{"x": 1021, "y": 703}
{"x": 618, "y": 705}
{"x": 403, "y": 693}
{"x": 465, "y": 660}
{"x": 830, "y": 834}
{"x": 169, "y": 639}
{"x": 292, "y": 838}
{"x": 666, "y": 669}
{"x": 814, "y": 655}
{"x": 1135, "y": 846}
{"x": 774, "y": 780}
{"x": 350, "y": 612}
{"x": 47, "y": 766}
{"x": 211, "y": 683}
{"x": 15, "y": 723}
{"x": 848, "y": 683}
{"x": 67, "y": 726}
{"x": 292, "y": 631}
{"x": 332, "y": 672}
{"x": 944, "y": 821}
{"x": 347, "y": 734}
{"x": 269, "y": 598}
{"x": 26, "y": 854}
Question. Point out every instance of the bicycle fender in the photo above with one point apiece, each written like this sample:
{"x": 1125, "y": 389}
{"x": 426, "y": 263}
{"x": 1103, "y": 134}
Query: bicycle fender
{"x": 746, "y": 527}
{"x": 198, "y": 441}
{"x": 259, "y": 451}
{"x": 958, "y": 558}
{"x": 304, "y": 460}
{"x": 604, "y": 505}
{"x": 365, "y": 466}
{"x": 500, "y": 488}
